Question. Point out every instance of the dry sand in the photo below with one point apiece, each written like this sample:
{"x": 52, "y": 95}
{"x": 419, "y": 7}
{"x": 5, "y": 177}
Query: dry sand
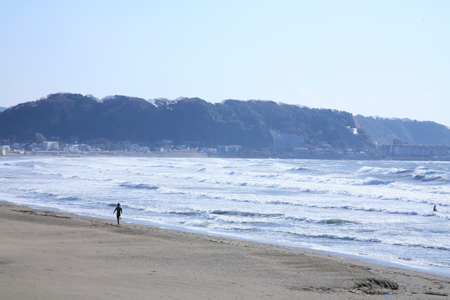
{"x": 56, "y": 255}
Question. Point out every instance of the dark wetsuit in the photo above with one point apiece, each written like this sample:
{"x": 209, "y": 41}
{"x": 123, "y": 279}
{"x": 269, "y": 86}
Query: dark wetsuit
{"x": 119, "y": 212}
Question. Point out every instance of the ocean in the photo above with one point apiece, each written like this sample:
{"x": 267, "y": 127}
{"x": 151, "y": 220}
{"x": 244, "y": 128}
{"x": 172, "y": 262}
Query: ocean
{"x": 379, "y": 211}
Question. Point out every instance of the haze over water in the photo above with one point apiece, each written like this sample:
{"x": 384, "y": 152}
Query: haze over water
{"x": 378, "y": 210}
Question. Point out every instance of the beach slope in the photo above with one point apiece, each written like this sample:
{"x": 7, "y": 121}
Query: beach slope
{"x": 56, "y": 255}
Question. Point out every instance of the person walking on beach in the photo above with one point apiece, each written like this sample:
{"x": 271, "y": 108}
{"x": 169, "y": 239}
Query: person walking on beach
{"x": 118, "y": 212}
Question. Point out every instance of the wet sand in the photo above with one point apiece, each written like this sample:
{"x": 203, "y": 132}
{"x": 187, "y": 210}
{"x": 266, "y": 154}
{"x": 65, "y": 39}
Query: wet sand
{"x": 55, "y": 255}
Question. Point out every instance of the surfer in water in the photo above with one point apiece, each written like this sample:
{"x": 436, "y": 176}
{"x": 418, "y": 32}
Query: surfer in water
{"x": 118, "y": 212}
{"x": 435, "y": 209}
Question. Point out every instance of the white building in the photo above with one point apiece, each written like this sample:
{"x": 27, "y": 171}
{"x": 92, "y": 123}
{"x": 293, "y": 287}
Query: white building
{"x": 50, "y": 145}
{"x": 422, "y": 150}
{"x": 286, "y": 142}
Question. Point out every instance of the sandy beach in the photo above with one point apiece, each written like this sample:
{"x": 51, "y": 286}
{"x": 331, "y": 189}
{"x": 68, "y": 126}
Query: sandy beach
{"x": 55, "y": 255}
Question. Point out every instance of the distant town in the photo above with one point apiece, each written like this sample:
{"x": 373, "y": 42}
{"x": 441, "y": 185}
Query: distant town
{"x": 73, "y": 124}
{"x": 284, "y": 146}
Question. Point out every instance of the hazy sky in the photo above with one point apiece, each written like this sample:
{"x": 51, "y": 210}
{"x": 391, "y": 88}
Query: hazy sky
{"x": 386, "y": 58}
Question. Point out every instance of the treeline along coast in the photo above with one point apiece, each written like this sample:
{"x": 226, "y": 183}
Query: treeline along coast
{"x": 251, "y": 127}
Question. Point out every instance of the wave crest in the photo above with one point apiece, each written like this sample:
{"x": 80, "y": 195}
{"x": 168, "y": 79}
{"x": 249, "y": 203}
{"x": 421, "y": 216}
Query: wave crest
{"x": 139, "y": 186}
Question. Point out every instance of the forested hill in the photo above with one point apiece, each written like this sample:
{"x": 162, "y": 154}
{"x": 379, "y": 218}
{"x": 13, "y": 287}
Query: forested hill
{"x": 2, "y": 109}
{"x": 232, "y": 122}
{"x": 383, "y": 131}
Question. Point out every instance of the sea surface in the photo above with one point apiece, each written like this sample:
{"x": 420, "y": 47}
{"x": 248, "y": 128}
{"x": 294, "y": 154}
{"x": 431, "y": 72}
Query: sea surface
{"x": 374, "y": 210}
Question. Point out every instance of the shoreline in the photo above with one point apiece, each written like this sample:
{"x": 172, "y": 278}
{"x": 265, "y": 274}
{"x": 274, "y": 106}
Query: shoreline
{"x": 194, "y": 154}
{"x": 181, "y": 154}
{"x": 377, "y": 261}
{"x": 57, "y": 255}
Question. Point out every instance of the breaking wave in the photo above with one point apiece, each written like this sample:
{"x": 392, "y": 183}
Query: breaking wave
{"x": 244, "y": 214}
{"x": 336, "y": 222}
{"x": 139, "y": 186}
{"x": 372, "y": 181}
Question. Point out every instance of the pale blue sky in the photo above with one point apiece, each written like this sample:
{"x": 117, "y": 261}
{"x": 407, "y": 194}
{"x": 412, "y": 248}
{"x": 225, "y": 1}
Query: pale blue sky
{"x": 385, "y": 58}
